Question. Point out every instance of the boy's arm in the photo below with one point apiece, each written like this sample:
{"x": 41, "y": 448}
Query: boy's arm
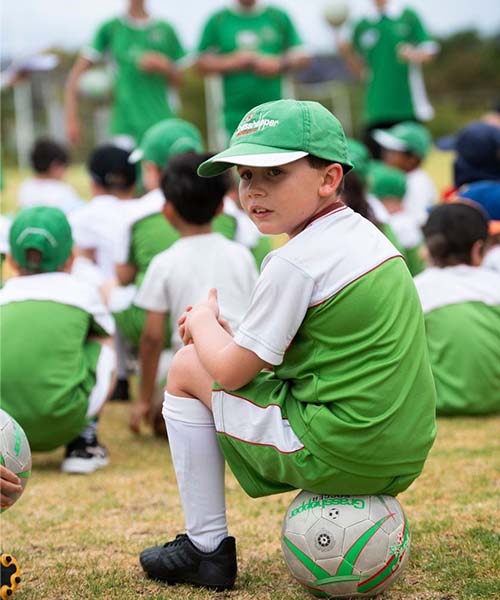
{"x": 126, "y": 273}
{"x": 150, "y": 348}
{"x": 230, "y": 365}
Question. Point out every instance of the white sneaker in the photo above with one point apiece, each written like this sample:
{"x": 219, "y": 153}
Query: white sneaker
{"x": 83, "y": 458}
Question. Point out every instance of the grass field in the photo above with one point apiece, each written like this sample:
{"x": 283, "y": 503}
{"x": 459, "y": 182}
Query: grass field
{"x": 78, "y": 537}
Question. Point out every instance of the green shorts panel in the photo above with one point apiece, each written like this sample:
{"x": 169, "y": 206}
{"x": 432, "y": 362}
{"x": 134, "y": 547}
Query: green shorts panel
{"x": 131, "y": 323}
{"x": 267, "y": 457}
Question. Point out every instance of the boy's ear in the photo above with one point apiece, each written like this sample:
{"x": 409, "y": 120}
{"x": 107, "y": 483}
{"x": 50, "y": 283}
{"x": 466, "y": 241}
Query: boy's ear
{"x": 12, "y": 263}
{"x": 66, "y": 268}
{"x": 168, "y": 211}
{"x": 220, "y": 208}
{"x": 332, "y": 178}
{"x": 477, "y": 253}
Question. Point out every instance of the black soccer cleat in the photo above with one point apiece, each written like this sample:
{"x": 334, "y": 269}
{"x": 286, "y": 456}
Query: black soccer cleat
{"x": 179, "y": 561}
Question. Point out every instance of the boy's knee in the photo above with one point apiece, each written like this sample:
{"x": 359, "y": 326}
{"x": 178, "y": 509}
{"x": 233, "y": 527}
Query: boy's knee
{"x": 183, "y": 363}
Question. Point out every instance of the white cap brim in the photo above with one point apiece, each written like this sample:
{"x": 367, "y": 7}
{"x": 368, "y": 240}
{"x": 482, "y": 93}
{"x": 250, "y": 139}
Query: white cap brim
{"x": 262, "y": 160}
{"x": 388, "y": 141}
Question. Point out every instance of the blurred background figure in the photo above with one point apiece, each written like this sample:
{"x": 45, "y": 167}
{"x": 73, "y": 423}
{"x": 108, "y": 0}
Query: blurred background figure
{"x": 251, "y": 46}
{"x": 49, "y": 161}
{"x": 145, "y": 52}
{"x": 386, "y": 49}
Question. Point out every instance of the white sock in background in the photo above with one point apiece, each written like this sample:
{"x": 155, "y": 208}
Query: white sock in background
{"x": 199, "y": 468}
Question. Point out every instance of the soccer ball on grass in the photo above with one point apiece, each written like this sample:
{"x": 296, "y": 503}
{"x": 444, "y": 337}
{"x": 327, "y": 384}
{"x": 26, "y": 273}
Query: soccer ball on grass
{"x": 345, "y": 546}
{"x": 15, "y": 452}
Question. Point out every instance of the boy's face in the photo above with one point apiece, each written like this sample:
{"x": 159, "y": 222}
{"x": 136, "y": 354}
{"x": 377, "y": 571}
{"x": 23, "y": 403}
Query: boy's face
{"x": 392, "y": 205}
{"x": 284, "y": 199}
{"x": 399, "y": 160}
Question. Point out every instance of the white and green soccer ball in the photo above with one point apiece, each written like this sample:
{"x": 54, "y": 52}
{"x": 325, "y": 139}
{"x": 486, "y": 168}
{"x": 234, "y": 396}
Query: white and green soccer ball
{"x": 15, "y": 452}
{"x": 345, "y": 546}
{"x": 96, "y": 84}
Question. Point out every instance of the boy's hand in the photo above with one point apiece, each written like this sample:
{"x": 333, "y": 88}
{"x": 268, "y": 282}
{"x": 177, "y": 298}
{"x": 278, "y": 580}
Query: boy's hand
{"x": 9, "y": 484}
{"x": 212, "y": 304}
{"x": 139, "y": 412}
{"x": 268, "y": 66}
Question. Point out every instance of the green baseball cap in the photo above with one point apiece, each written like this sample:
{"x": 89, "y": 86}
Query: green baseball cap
{"x": 166, "y": 139}
{"x": 42, "y": 228}
{"x": 360, "y": 157}
{"x": 405, "y": 137}
{"x": 386, "y": 181}
{"x": 277, "y": 133}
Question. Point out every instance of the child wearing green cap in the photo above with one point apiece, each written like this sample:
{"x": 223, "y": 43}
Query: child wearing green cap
{"x": 326, "y": 385}
{"x": 405, "y": 146}
{"x": 389, "y": 186}
{"x": 58, "y": 364}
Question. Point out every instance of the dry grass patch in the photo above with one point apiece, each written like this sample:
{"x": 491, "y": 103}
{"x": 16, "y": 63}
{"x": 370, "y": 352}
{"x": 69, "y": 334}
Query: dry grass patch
{"x": 79, "y": 537}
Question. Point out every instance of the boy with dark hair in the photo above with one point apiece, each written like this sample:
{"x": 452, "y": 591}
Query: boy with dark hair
{"x": 49, "y": 160}
{"x": 112, "y": 181}
{"x": 57, "y": 362}
{"x": 461, "y": 303}
{"x": 184, "y": 273}
{"x": 326, "y": 384}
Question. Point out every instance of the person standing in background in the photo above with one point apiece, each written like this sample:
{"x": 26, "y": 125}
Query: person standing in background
{"x": 387, "y": 49}
{"x": 251, "y": 46}
{"x": 145, "y": 51}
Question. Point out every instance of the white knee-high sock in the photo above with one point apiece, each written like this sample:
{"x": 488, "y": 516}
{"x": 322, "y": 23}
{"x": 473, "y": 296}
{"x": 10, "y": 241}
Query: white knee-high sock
{"x": 199, "y": 468}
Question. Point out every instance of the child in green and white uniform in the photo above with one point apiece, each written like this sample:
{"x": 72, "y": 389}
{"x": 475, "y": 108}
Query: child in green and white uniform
{"x": 57, "y": 365}
{"x": 389, "y": 186}
{"x": 346, "y": 402}
{"x": 251, "y": 46}
{"x": 461, "y": 303}
{"x": 144, "y": 51}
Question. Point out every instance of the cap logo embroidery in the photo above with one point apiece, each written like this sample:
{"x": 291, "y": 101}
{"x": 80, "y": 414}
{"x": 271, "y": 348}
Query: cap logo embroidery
{"x": 253, "y": 126}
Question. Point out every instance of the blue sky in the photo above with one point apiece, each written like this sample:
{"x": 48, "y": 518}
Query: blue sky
{"x": 28, "y": 26}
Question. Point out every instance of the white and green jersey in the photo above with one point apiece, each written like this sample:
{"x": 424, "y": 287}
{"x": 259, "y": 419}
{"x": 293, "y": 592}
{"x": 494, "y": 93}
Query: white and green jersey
{"x": 395, "y": 88}
{"x": 266, "y": 30}
{"x": 140, "y": 98}
{"x": 336, "y": 312}
{"x": 462, "y": 320}
{"x": 44, "y": 364}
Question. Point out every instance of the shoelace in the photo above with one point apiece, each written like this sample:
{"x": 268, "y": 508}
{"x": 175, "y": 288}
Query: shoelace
{"x": 179, "y": 540}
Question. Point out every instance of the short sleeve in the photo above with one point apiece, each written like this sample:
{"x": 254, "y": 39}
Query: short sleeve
{"x": 277, "y": 308}
{"x": 152, "y": 294}
{"x": 173, "y": 47}
{"x": 292, "y": 36}
{"x": 209, "y": 41}
{"x": 419, "y": 34}
{"x": 101, "y": 41}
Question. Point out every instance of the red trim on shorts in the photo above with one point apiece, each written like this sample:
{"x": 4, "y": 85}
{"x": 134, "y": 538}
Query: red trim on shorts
{"x": 233, "y": 437}
{"x": 251, "y": 401}
{"x": 355, "y": 279}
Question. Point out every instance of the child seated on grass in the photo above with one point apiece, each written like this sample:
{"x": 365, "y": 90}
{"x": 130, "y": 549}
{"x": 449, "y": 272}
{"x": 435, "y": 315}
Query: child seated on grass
{"x": 184, "y": 273}
{"x": 389, "y": 186}
{"x": 405, "y": 146}
{"x": 57, "y": 360}
{"x": 49, "y": 161}
{"x": 326, "y": 384}
{"x": 461, "y": 303}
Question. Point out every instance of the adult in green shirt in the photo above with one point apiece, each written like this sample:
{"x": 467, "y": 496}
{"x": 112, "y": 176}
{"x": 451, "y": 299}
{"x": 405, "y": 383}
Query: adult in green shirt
{"x": 145, "y": 51}
{"x": 250, "y": 46}
{"x": 387, "y": 49}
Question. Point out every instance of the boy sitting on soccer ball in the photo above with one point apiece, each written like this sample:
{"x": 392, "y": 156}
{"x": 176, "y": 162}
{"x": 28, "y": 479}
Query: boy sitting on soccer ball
{"x": 326, "y": 385}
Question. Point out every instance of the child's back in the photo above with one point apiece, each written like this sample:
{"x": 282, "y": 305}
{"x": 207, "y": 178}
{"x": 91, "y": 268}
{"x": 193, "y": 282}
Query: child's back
{"x": 461, "y": 303}
{"x": 184, "y": 273}
{"x": 44, "y": 368}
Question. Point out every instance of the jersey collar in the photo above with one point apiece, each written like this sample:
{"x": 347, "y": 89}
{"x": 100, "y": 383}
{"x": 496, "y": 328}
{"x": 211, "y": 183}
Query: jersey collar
{"x": 393, "y": 10}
